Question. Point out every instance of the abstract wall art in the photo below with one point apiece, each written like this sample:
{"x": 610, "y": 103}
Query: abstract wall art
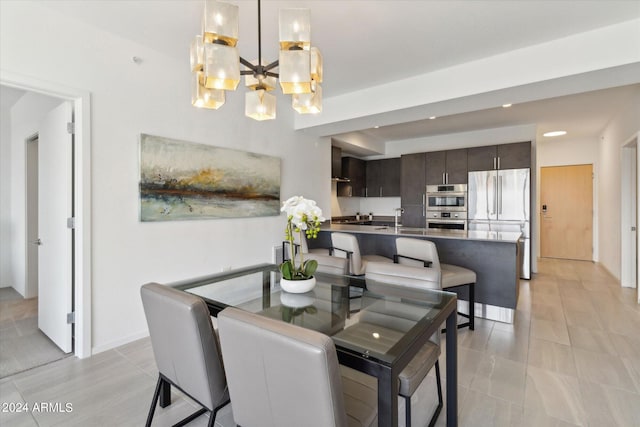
{"x": 181, "y": 180}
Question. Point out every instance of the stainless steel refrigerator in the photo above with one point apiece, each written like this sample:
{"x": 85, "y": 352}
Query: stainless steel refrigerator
{"x": 500, "y": 200}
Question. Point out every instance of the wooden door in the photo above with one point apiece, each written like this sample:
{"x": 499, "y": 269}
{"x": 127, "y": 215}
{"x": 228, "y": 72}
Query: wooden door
{"x": 566, "y": 212}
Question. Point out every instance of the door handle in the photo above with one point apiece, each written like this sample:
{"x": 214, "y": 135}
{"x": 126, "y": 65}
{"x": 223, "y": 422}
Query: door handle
{"x": 447, "y": 177}
{"x": 38, "y": 242}
{"x": 499, "y": 191}
{"x": 443, "y": 178}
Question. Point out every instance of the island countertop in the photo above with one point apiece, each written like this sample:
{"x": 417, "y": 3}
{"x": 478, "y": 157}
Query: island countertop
{"x": 495, "y": 257}
{"x": 493, "y": 236}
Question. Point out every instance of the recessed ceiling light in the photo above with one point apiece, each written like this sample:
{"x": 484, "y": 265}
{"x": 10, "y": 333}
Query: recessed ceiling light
{"x": 376, "y": 127}
{"x": 432, "y": 117}
{"x": 555, "y": 133}
{"x": 506, "y": 105}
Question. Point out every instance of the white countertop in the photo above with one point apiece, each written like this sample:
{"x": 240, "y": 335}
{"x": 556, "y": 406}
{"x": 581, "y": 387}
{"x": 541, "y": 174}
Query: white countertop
{"x": 494, "y": 236}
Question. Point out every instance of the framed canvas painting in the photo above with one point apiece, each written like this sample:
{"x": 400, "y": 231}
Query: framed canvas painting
{"x": 182, "y": 180}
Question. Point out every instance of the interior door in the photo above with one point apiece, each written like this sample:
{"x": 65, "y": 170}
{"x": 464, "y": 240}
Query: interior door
{"x": 55, "y": 203}
{"x": 566, "y": 200}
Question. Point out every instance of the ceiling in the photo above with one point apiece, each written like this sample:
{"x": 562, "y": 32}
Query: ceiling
{"x": 367, "y": 43}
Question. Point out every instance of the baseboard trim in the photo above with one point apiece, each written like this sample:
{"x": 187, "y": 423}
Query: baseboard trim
{"x": 117, "y": 343}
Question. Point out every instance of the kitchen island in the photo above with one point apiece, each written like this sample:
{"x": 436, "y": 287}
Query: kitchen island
{"x": 494, "y": 256}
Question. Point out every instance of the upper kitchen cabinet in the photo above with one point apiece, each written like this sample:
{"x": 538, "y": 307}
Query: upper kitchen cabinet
{"x": 446, "y": 167}
{"x": 412, "y": 179}
{"x": 354, "y": 170}
{"x": 336, "y": 162}
{"x": 514, "y": 156}
{"x": 503, "y": 156}
{"x": 383, "y": 178}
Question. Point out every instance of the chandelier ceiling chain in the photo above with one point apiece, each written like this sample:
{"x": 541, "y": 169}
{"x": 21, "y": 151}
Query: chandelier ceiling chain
{"x": 215, "y": 63}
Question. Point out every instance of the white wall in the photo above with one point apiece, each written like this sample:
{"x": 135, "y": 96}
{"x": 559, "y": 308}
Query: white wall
{"x": 153, "y": 97}
{"x": 624, "y": 125}
{"x": 564, "y": 152}
{"x": 5, "y": 197}
{"x": 26, "y": 115}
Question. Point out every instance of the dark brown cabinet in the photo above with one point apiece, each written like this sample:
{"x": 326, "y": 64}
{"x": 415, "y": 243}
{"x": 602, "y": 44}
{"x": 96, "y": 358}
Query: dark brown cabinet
{"x": 446, "y": 167}
{"x": 412, "y": 189}
{"x": 503, "y": 156}
{"x": 336, "y": 162}
{"x": 354, "y": 170}
{"x": 383, "y": 178}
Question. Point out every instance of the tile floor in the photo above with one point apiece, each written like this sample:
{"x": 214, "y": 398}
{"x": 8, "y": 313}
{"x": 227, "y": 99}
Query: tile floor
{"x": 571, "y": 358}
{"x": 22, "y": 345}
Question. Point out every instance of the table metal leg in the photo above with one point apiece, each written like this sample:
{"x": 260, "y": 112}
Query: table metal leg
{"x": 452, "y": 370}
{"x": 387, "y": 399}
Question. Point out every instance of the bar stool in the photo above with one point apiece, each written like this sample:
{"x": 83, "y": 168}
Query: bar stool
{"x": 346, "y": 245}
{"x": 418, "y": 252}
{"x": 301, "y": 245}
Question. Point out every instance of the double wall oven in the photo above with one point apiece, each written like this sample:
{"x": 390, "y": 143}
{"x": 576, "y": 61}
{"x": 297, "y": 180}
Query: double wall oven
{"x": 447, "y": 206}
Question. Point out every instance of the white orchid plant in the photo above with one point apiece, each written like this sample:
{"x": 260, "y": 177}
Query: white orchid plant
{"x": 303, "y": 216}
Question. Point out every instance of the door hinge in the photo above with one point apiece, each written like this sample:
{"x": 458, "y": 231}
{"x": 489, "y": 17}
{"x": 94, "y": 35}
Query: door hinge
{"x": 71, "y": 317}
{"x": 71, "y": 223}
{"x": 71, "y": 128}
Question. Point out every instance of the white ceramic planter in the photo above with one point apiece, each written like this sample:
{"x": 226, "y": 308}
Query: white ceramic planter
{"x": 297, "y": 286}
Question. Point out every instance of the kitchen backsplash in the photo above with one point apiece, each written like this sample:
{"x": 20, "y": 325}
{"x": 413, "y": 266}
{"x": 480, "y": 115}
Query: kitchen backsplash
{"x": 348, "y": 206}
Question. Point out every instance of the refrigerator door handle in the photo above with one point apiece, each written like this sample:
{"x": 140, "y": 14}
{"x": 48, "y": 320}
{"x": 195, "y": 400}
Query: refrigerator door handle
{"x": 494, "y": 202}
{"x": 489, "y": 205}
{"x": 499, "y": 194}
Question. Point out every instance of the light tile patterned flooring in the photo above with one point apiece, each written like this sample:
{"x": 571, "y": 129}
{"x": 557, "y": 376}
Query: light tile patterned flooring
{"x": 571, "y": 358}
{"x": 22, "y": 345}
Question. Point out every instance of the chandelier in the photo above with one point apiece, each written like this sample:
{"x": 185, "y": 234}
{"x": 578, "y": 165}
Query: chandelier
{"x": 215, "y": 63}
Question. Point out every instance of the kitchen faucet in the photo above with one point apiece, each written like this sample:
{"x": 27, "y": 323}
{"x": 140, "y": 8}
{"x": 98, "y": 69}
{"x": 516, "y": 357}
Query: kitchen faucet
{"x": 398, "y": 212}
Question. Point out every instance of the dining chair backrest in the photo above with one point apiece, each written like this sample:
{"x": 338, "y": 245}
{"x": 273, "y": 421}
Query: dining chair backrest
{"x": 330, "y": 264}
{"x": 403, "y": 275}
{"x": 343, "y": 242}
{"x": 184, "y": 343}
{"x": 405, "y": 281}
{"x": 419, "y": 249}
{"x": 280, "y": 375}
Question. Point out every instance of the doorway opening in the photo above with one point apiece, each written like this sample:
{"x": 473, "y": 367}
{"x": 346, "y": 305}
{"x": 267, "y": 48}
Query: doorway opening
{"x": 24, "y": 345}
{"x": 79, "y": 101}
{"x": 629, "y": 215}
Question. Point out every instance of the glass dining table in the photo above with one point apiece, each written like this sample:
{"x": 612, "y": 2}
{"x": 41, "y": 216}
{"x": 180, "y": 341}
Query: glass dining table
{"x": 377, "y": 328}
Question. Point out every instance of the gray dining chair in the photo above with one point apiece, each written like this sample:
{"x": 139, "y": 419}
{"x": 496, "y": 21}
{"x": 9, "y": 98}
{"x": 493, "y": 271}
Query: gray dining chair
{"x": 186, "y": 350}
{"x": 418, "y": 252}
{"x": 329, "y": 264}
{"x": 346, "y": 245}
{"x": 300, "y": 245}
{"x": 411, "y": 282}
{"x": 283, "y": 375}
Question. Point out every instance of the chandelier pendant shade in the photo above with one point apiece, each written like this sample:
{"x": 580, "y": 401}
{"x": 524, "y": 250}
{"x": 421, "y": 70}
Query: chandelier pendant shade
{"x": 216, "y": 63}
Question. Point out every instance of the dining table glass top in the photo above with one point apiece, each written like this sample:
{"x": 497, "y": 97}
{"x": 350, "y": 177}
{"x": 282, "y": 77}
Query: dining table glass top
{"x": 374, "y": 320}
